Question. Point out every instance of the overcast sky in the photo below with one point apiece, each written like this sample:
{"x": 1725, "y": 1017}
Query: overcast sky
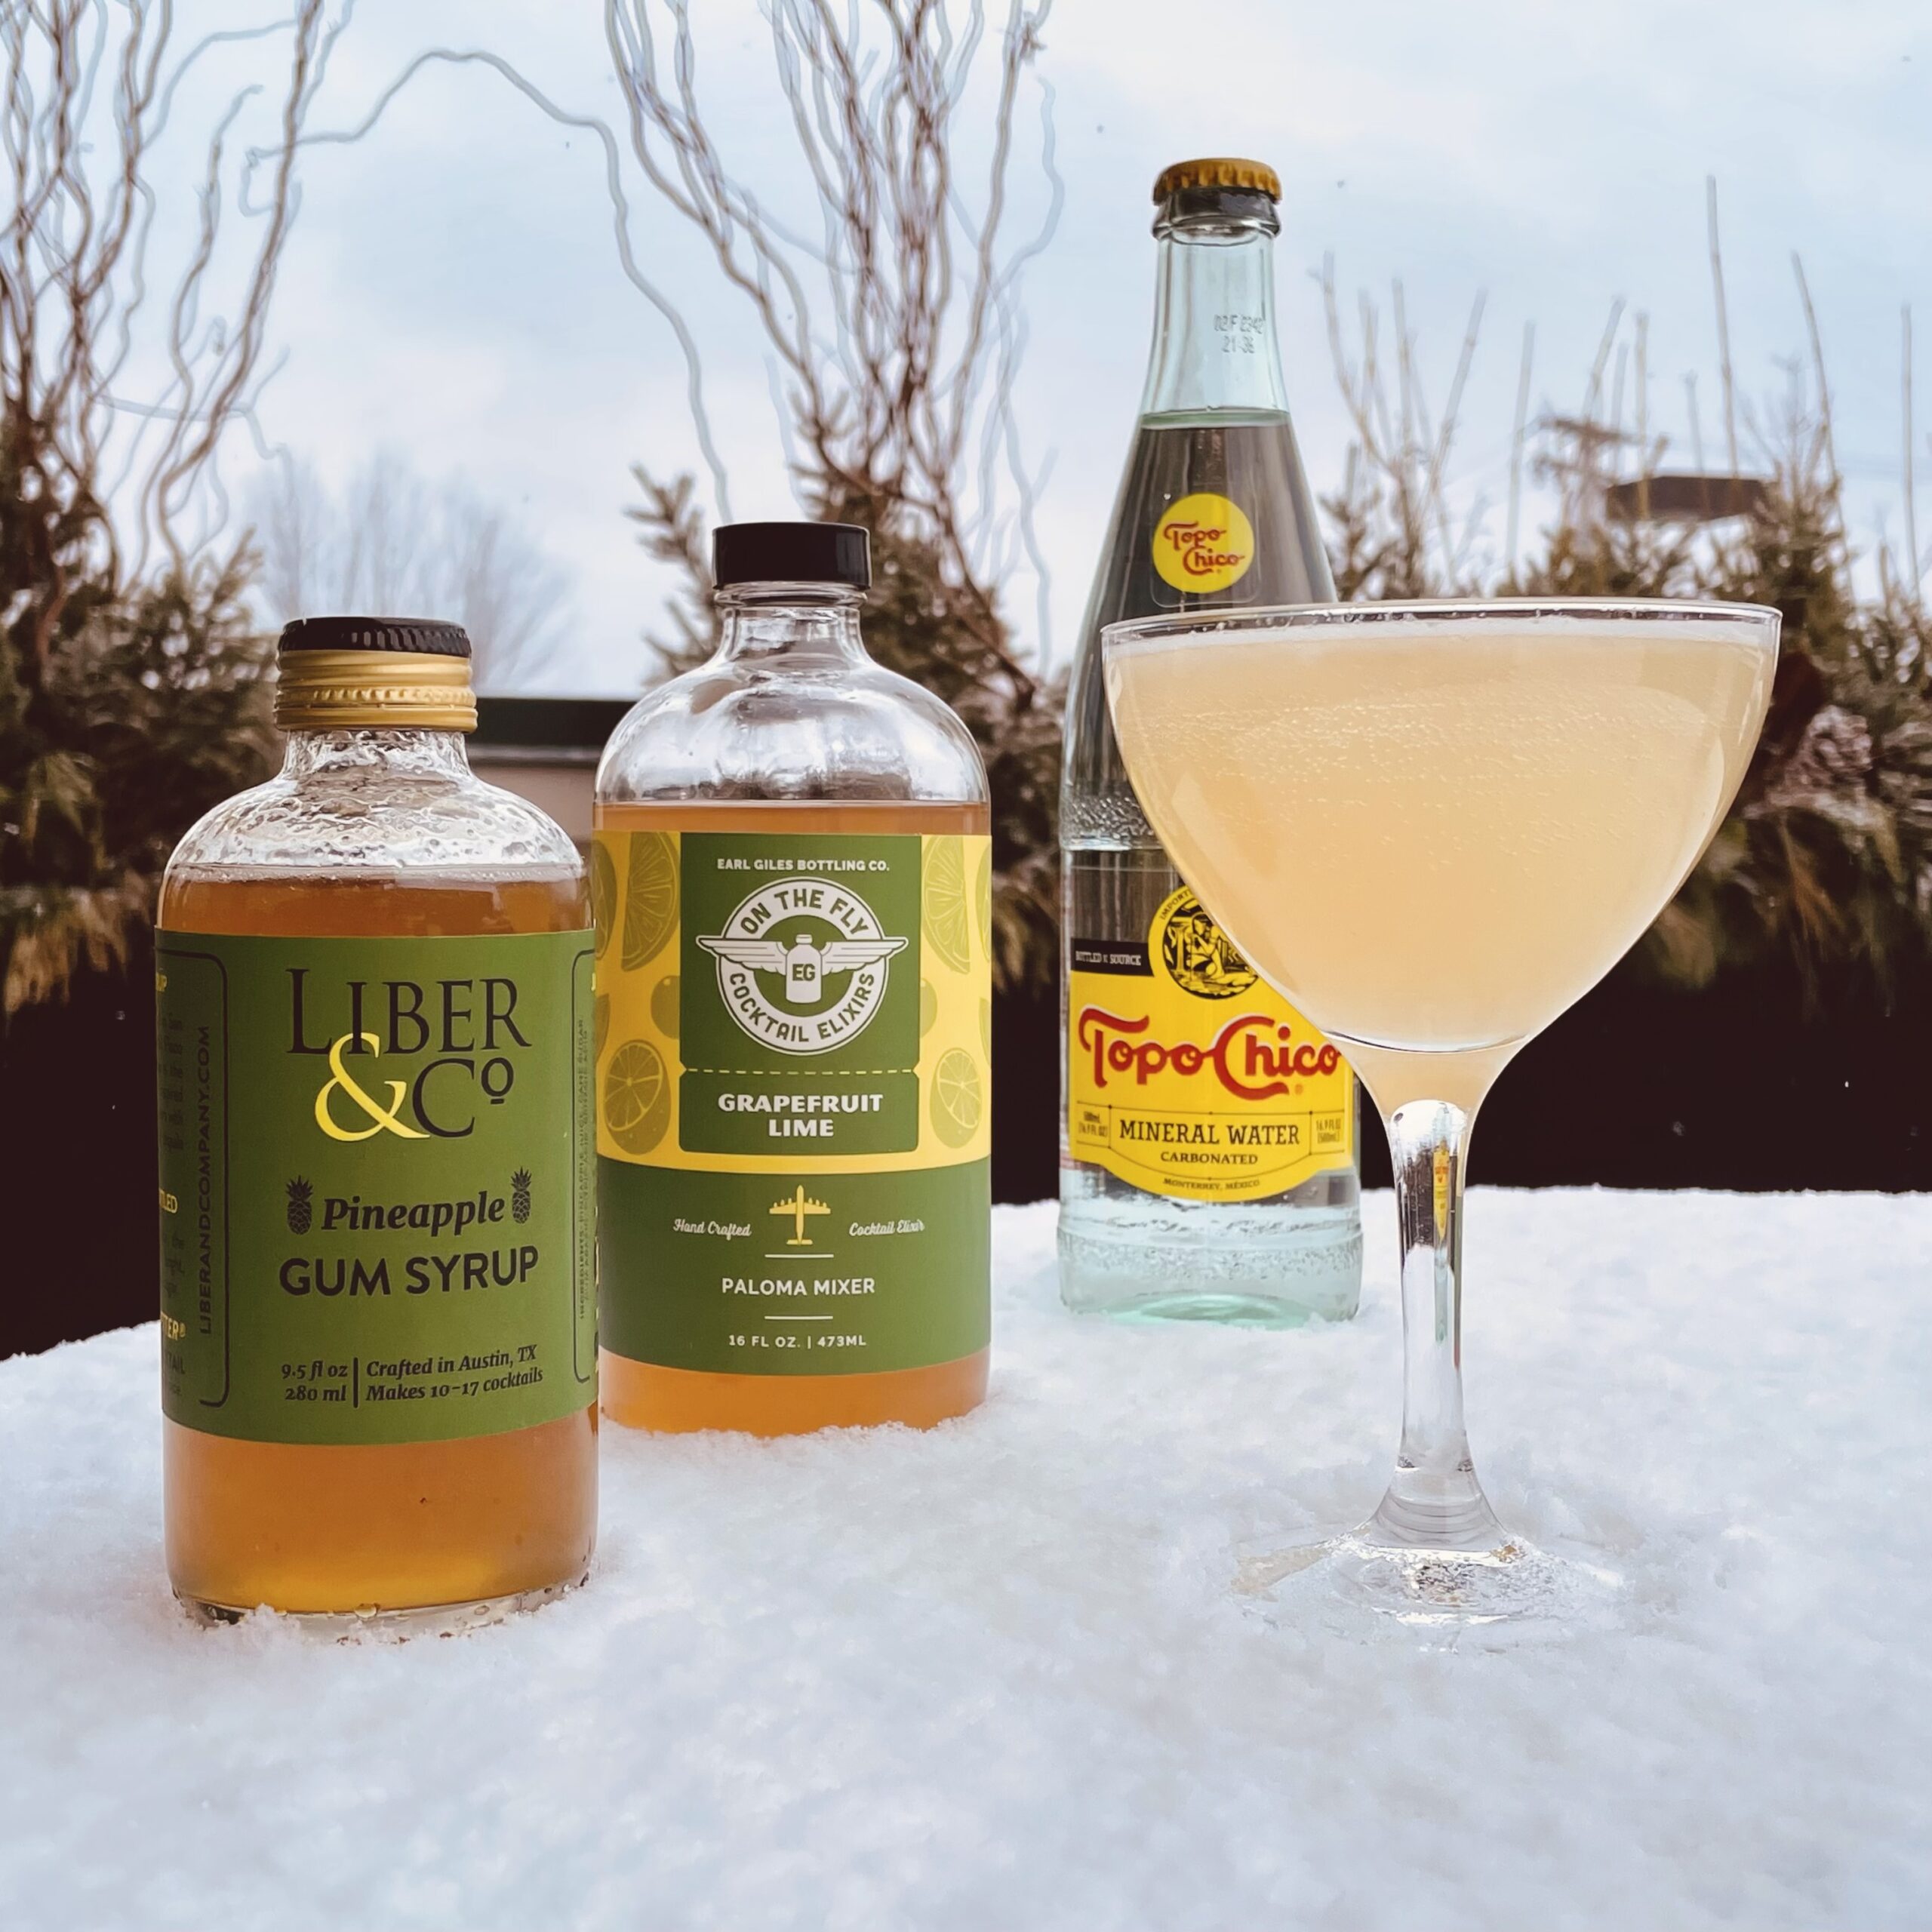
{"x": 452, "y": 289}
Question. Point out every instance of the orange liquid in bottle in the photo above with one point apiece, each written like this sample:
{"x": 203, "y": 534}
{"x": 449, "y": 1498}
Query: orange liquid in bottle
{"x": 644, "y": 1395}
{"x": 334, "y": 1529}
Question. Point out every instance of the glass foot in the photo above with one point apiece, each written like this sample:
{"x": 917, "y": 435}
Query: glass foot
{"x": 1358, "y": 1580}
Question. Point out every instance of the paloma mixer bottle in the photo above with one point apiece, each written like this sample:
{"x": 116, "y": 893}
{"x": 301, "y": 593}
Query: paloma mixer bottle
{"x": 792, "y": 881}
{"x": 1208, "y": 1166}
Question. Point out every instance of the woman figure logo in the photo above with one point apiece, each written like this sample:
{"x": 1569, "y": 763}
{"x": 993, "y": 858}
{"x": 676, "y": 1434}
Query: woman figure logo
{"x": 1200, "y": 958}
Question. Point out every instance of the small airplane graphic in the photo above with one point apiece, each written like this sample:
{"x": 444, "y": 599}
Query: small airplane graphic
{"x": 802, "y": 963}
{"x": 799, "y": 1207}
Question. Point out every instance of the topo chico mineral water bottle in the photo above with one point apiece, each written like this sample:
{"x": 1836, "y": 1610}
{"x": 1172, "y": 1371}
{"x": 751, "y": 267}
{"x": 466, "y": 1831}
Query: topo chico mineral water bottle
{"x": 1208, "y": 1163}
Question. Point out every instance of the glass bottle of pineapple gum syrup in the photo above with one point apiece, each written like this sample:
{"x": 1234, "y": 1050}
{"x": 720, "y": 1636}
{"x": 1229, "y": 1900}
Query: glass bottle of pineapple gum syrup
{"x": 792, "y": 878}
{"x": 378, "y": 1311}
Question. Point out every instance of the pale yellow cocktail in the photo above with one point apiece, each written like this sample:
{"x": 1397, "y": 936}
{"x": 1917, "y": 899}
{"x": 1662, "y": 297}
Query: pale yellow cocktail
{"x": 1437, "y": 835}
{"x": 1433, "y": 828}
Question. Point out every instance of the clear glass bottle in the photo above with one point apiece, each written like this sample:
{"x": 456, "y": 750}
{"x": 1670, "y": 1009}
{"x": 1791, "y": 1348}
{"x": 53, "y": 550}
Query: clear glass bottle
{"x": 793, "y": 877}
{"x": 1208, "y": 1164}
{"x": 378, "y": 1303}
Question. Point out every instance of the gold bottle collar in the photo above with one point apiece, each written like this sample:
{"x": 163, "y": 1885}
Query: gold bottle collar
{"x": 1219, "y": 171}
{"x": 397, "y": 690}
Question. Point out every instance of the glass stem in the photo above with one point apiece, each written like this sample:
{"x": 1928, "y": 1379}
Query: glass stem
{"x": 1434, "y": 1501}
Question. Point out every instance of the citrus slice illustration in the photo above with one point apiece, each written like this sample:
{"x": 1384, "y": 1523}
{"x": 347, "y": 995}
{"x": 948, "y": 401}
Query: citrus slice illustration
{"x": 983, "y": 900}
{"x": 947, "y": 924}
{"x": 637, "y": 1097}
{"x": 956, "y": 1101}
{"x": 664, "y": 1006}
{"x": 650, "y": 898}
{"x": 603, "y": 894}
{"x": 928, "y": 1007}
{"x": 600, "y": 1025}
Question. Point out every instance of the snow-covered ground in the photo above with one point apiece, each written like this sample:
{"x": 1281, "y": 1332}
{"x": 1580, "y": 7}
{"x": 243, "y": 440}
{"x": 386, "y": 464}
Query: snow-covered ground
{"x": 993, "y": 1678}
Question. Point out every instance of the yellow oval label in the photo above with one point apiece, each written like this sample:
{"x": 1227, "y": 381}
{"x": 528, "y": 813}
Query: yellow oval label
{"x": 1203, "y": 542}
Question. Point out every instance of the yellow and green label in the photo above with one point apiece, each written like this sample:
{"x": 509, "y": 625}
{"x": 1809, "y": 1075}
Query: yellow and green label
{"x": 377, "y": 1215}
{"x": 794, "y": 1126}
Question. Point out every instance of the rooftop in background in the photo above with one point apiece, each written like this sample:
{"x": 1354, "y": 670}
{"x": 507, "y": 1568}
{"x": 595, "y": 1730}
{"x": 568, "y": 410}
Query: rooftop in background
{"x": 1684, "y": 498}
{"x": 545, "y": 750}
{"x": 513, "y": 726}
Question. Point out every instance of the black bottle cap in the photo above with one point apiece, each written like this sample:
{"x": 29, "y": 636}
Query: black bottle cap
{"x": 791, "y": 553}
{"x": 430, "y": 636}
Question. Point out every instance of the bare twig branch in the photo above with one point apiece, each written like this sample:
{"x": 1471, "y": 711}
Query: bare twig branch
{"x": 620, "y": 214}
{"x": 74, "y": 279}
{"x": 1914, "y": 572}
{"x": 1643, "y": 452}
{"x": 894, "y": 333}
{"x": 1517, "y": 433}
{"x": 1835, "y": 482}
{"x": 133, "y": 696}
{"x": 1724, "y": 368}
{"x": 1398, "y": 460}
{"x": 393, "y": 540}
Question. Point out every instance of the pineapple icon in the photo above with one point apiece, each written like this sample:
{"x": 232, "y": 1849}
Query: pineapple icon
{"x": 520, "y": 1194}
{"x": 300, "y": 1212}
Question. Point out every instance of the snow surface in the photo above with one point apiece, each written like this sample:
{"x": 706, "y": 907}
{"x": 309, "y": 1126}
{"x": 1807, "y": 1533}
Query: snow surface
{"x": 994, "y": 1677}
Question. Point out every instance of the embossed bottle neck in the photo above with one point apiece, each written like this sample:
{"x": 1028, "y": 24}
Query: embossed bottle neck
{"x": 1215, "y": 346}
{"x": 405, "y": 753}
{"x": 805, "y": 624}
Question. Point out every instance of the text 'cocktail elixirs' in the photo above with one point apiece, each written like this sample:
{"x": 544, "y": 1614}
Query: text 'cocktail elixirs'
{"x": 1437, "y": 826}
{"x": 1210, "y": 1166}
{"x": 378, "y": 1310}
{"x": 793, "y": 877}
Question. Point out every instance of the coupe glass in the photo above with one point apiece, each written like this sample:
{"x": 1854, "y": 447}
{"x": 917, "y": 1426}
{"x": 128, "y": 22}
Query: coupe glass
{"x": 1433, "y": 827}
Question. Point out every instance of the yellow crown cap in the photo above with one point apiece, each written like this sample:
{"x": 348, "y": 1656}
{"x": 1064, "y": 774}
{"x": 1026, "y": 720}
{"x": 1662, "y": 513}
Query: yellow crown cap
{"x": 1219, "y": 171}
